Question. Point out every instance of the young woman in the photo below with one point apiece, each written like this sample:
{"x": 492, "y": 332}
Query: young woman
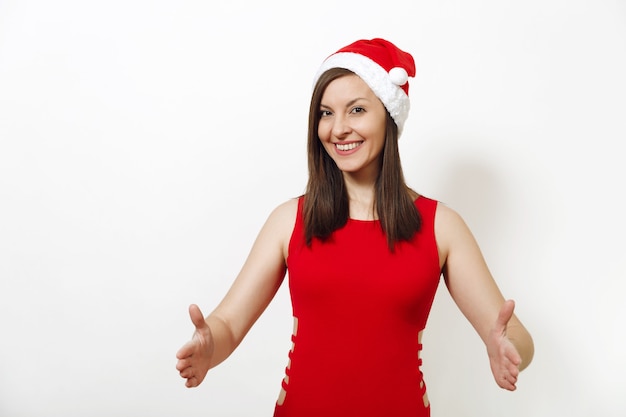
{"x": 364, "y": 254}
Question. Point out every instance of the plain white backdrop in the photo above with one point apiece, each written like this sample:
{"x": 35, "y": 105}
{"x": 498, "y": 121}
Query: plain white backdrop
{"x": 143, "y": 144}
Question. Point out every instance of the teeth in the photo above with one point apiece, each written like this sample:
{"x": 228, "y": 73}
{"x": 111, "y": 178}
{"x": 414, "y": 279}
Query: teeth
{"x": 347, "y": 146}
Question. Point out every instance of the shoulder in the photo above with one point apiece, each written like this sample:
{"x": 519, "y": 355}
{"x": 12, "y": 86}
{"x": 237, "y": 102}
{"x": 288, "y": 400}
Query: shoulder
{"x": 281, "y": 223}
{"x": 450, "y": 228}
{"x": 276, "y": 232}
{"x": 446, "y": 215}
{"x": 283, "y": 217}
{"x": 286, "y": 210}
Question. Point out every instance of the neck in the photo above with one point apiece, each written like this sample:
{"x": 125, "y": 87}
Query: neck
{"x": 362, "y": 200}
{"x": 361, "y": 189}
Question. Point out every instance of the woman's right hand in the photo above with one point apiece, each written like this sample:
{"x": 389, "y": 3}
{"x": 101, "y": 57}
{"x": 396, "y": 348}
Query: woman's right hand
{"x": 194, "y": 358}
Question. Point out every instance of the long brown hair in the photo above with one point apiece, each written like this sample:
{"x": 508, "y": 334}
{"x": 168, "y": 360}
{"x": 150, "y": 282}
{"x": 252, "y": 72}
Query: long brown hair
{"x": 326, "y": 204}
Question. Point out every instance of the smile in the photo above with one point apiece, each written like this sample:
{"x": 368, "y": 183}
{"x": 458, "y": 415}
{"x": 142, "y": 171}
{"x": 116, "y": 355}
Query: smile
{"x": 347, "y": 146}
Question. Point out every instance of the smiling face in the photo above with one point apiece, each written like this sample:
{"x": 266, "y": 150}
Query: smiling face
{"x": 352, "y": 126}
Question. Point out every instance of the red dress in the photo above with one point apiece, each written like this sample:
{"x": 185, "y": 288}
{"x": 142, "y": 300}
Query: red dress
{"x": 359, "y": 310}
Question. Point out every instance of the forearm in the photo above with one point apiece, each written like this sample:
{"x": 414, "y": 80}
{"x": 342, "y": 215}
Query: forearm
{"x": 224, "y": 341}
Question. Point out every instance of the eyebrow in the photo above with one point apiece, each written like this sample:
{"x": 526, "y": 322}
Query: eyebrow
{"x": 348, "y": 104}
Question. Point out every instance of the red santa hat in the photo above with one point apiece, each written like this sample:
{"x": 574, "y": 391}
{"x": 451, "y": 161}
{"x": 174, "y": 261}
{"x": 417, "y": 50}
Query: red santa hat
{"x": 384, "y": 67}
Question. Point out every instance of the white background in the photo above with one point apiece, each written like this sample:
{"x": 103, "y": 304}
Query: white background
{"x": 144, "y": 143}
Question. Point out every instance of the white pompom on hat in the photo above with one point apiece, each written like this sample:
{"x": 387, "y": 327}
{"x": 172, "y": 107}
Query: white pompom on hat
{"x": 384, "y": 67}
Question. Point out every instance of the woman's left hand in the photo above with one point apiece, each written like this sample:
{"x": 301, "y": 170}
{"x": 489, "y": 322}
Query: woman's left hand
{"x": 503, "y": 356}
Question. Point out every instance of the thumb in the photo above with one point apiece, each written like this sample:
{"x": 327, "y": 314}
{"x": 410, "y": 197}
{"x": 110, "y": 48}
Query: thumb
{"x": 505, "y": 314}
{"x": 197, "y": 318}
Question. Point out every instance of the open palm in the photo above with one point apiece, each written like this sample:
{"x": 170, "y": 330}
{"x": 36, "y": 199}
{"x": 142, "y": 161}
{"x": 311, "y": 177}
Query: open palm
{"x": 503, "y": 356}
{"x": 194, "y": 358}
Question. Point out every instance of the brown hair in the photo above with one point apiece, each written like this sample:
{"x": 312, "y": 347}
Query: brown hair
{"x": 326, "y": 206}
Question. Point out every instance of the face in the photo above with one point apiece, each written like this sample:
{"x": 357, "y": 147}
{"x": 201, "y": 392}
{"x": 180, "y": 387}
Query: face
{"x": 352, "y": 126}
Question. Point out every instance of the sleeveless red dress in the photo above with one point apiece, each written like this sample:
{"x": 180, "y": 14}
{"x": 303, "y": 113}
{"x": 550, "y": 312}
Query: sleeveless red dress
{"x": 359, "y": 310}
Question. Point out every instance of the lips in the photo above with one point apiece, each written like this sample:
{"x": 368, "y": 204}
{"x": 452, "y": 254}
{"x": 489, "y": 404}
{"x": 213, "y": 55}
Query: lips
{"x": 347, "y": 146}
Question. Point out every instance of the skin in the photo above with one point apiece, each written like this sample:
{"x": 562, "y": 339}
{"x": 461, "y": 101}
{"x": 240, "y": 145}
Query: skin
{"x": 351, "y": 113}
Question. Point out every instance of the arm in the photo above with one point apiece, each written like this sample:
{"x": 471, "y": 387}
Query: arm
{"x": 509, "y": 345}
{"x": 217, "y": 335}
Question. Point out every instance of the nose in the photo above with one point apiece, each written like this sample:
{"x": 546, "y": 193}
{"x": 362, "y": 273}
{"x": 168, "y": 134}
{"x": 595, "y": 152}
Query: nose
{"x": 341, "y": 127}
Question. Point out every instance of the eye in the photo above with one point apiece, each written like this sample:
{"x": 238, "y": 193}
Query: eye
{"x": 357, "y": 110}
{"x": 325, "y": 113}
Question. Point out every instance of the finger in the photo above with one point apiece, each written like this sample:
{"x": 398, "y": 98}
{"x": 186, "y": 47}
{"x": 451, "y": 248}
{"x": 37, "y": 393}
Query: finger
{"x": 197, "y": 318}
{"x": 505, "y": 314}
{"x": 187, "y": 373}
{"x": 191, "y": 382}
{"x": 514, "y": 362}
{"x": 182, "y": 364}
{"x": 513, "y": 370}
{"x": 511, "y": 354}
{"x": 512, "y": 383}
{"x": 510, "y": 386}
{"x": 507, "y": 382}
{"x": 185, "y": 351}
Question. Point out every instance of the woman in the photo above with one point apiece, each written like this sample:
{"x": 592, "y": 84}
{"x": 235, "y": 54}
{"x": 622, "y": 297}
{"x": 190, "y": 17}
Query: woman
{"x": 364, "y": 254}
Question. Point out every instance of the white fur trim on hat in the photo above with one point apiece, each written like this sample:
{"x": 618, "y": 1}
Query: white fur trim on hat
{"x": 382, "y": 83}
